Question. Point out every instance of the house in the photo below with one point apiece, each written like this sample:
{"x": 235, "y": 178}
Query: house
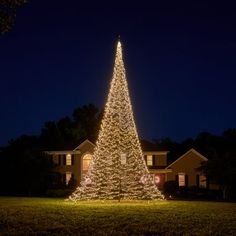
{"x": 185, "y": 171}
{"x": 75, "y": 163}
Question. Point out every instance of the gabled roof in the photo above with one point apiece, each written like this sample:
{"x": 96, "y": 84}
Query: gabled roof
{"x": 83, "y": 143}
{"x": 148, "y": 146}
{"x": 185, "y": 154}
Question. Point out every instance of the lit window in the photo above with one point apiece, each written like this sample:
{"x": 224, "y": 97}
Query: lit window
{"x": 181, "y": 178}
{"x": 149, "y": 160}
{"x": 68, "y": 160}
{"x": 202, "y": 181}
{"x": 68, "y": 177}
{"x": 86, "y": 162}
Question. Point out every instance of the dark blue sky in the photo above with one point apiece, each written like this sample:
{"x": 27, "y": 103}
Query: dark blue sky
{"x": 180, "y": 60}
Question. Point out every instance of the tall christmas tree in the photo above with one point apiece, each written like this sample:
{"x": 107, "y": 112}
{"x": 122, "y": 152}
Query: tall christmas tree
{"x": 118, "y": 169}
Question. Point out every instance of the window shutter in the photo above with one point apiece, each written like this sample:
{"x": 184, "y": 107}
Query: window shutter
{"x": 207, "y": 182}
{"x": 197, "y": 181}
{"x": 72, "y": 159}
{"x": 64, "y": 178}
{"x": 145, "y": 158}
{"x": 59, "y": 160}
{"x": 186, "y": 180}
{"x": 153, "y": 160}
{"x": 64, "y": 159}
{"x": 177, "y": 179}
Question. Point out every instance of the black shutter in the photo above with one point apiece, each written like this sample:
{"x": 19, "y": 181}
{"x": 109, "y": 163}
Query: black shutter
{"x": 207, "y": 182}
{"x": 59, "y": 160}
{"x": 153, "y": 160}
{"x": 186, "y": 180}
{"x": 145, "y": 158}
{"x": 72, "y": 159}
{"x": 177, "y": 179}
{"x": 64, "y": 159}
{"x": 197, "y": 181}
{"x": 64, "y": 178}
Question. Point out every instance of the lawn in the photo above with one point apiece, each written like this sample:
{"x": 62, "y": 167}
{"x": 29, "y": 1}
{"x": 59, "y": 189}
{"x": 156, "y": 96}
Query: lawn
{"x": 44, "y": 216}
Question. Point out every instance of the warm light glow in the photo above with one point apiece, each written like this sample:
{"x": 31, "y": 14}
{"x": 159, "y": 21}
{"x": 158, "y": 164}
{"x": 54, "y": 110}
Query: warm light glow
{"x": 86, "y": 163}
{"x": 123, "y": 159}
{"x": 181, "y": 177}
{"x": 149, "y": 160}
{"x": 68, "y": 160}
{"x": 202, "y": 181}
{"x": 118, "y": 169}
{"x": 68, "y": 177}
{"x": 157, "y": 179}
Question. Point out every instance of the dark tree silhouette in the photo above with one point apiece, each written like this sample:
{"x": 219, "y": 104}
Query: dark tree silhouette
{"x": 24, "y": 168}
{"x": 68, "y": 132}
{"x": 8, "y": 10}
{"x": 221, "y": 166}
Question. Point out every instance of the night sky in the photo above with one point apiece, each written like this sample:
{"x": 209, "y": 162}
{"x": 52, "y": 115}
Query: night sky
{"x": 180, "y": 60}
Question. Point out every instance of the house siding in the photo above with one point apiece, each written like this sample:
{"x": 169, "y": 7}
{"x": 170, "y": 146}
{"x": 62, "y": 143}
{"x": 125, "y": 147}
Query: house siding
{"x": 187, "y": 165}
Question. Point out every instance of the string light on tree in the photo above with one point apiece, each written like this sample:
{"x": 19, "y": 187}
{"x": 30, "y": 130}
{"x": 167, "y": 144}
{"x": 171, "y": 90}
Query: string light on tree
{"x": 118, "y": 169}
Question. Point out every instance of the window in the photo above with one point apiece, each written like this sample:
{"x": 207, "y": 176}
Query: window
{"x": 68, "y": 160}
{"x": 202, "y": 181}
{"x": 149, "y": 160}
{"x": 181, "y": 179}
{"x": 68, "y": 177}
{"x": 85, "y": 163}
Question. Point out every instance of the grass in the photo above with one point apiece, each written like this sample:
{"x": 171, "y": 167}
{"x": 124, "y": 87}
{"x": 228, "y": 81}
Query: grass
{"x": 42, "y": 216}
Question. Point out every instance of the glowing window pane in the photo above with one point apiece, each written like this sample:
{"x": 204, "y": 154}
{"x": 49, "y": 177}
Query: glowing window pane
{"x": 68, "y": 177}
{"x": 86, "y": 162}
{"x": 181, "y": 180}
{"x": 202, "y": 181}
{"x": 149, "y": 160}
{"x": 68, "y": 160}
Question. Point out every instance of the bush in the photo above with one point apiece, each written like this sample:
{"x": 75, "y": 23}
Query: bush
{"x": 170, "y": 189}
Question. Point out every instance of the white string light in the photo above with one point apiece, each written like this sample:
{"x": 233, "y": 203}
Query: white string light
{"x": 118, "y": 169}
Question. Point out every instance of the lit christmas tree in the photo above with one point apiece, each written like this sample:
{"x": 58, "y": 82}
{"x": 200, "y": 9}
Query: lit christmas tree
{"x": 118, "y": 169}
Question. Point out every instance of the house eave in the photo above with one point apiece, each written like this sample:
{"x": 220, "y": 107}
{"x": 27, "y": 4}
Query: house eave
{"x": 63, "y": 152}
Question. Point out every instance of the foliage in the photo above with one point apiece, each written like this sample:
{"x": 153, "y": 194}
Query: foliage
{"x": 8, "y": 10}
{"x": 69, "y": 131}
{"x": 220, "y": 151}
{"x": 221, "y": 166}
{"x": 24, "y": 167}
{"x": 40, "y": 216}
{"x": 170, "y": 188}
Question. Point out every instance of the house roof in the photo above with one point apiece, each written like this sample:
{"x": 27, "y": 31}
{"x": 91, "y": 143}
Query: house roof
{"x": 185, "y": 154}
{"x": 148, "y": 146}
{"x": 83, "y": 143}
